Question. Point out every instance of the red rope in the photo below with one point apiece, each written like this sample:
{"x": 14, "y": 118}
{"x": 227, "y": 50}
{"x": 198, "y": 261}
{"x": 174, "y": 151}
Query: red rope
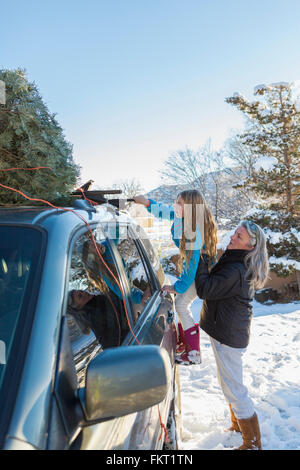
{"x": 84, "y": 197}
{"x": 36, "y": 168}
{"x": 163, "y": 427}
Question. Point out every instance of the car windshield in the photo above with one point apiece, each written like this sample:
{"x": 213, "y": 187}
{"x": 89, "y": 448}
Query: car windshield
{"x": 20, "y": 252}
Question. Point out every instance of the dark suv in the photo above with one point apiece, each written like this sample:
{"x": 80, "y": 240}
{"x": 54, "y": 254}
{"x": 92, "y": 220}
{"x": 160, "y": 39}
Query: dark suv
{"x": 86, "y": 341}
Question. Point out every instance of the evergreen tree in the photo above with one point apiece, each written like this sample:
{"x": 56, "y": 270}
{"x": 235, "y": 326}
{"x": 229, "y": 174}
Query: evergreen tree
{"x": 30, "y": 136}
{"x": 273, "y": 136}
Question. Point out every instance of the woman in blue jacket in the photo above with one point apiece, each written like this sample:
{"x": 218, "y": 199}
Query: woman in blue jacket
{"x": 193, "y": 227}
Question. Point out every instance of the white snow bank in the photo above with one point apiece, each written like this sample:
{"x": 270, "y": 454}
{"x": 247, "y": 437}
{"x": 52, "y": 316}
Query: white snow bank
{"x": 271, "y": 374}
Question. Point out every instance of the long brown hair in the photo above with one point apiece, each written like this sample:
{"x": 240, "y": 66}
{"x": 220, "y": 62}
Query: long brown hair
{"x": 198, "y": 213}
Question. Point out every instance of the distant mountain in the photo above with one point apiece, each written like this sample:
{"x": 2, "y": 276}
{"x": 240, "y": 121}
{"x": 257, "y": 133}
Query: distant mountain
{"x": 166, "y": 193}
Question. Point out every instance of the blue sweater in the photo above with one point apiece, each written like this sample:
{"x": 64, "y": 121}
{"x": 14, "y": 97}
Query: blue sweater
{"x": 189, "y": 270}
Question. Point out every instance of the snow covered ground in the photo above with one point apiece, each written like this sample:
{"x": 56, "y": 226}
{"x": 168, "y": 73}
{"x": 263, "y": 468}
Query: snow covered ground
{"x": 271, "y": 373}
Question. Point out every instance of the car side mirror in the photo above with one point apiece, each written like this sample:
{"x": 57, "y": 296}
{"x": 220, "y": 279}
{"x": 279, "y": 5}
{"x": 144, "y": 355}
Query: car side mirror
{"x": 124, "y": 380}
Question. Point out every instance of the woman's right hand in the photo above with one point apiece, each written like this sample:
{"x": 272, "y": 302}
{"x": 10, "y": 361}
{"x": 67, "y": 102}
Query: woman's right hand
{"x": 141, "y": 199}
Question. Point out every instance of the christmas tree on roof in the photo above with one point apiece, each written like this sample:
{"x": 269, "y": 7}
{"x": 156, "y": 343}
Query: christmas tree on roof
{"x": 30, "y": 137}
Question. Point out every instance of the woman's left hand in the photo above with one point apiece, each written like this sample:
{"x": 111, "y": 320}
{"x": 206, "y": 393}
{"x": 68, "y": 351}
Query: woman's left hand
{"x": 169, "y": 289}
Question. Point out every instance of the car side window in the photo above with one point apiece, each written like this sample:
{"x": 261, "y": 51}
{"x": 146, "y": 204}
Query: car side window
{"x": 151, "y": 254}
{"x": 95, "y": 313}
{"x": 140, "y": 285}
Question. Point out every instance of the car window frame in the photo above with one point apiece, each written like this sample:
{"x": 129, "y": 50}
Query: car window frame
{"x": 155, "y": 297}
{"x": 77, "y": 233}
{"x": 146, "y": 264}
{"x": 146, "y": 261}
{"x": 121, "y": 273}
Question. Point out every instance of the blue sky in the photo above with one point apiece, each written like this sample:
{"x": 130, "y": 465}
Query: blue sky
{"x": 133, "y": 80}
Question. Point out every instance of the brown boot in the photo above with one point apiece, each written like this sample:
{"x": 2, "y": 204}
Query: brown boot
{"x": 250, "y": 433}
{"x": 235, "y": 425}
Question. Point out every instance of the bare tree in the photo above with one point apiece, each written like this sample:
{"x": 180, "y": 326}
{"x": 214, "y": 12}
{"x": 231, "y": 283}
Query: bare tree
{"x": 242, "y": 165}
{"x": 129, "y": 187}
{"x": 187, "y": 167}
{"x": 240, "y": 154}
{"x": 218, "y": 185}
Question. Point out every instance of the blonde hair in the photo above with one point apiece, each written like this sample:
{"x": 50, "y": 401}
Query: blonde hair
{"x": 256, "y": 261}
{"x": 200, "y": 212}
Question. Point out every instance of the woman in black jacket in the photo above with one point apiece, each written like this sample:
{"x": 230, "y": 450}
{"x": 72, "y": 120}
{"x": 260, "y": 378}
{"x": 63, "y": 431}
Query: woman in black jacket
{"x": 227, "y": 291}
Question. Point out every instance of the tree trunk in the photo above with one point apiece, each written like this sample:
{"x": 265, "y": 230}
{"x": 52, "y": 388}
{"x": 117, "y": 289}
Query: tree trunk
{"x": 287, "y": 160}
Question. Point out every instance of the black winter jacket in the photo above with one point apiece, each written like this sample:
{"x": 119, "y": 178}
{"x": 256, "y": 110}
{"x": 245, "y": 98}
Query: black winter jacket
{"x": 226, "y": 312}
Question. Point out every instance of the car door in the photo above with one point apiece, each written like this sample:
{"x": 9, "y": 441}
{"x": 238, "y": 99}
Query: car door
{"x": 113, "y": 311}
{"x": 154, "y": 325}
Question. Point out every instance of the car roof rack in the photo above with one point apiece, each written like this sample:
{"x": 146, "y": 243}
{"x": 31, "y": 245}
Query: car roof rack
{"x": 98, "y": 196}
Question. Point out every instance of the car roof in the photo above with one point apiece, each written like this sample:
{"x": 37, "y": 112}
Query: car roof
{"x": 21, "y": 214}
{"x": 81, "y": 210}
